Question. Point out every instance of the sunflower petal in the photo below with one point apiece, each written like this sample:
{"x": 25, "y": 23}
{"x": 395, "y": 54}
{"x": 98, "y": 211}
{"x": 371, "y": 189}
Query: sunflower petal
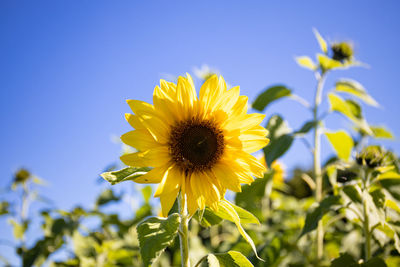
{"x": 171, "y": 180}
{"x": 167, "y": 201}
{"x": 140, "y": 139}
{"x": 155, "y": 157}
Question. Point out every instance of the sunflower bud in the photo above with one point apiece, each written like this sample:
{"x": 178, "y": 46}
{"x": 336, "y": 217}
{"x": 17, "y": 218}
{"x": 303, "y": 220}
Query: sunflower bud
{"x": 372, "y": 156}
{"x": 342, "y": 51}
{"x": 21, "y": 176}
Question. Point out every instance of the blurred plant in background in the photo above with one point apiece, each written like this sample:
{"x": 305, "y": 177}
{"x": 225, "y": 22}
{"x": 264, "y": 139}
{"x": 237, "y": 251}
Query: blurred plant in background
{"x": 341, "y": 212}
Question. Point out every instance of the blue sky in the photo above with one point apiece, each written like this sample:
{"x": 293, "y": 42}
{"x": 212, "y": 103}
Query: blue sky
{"x": 67, "y": 68}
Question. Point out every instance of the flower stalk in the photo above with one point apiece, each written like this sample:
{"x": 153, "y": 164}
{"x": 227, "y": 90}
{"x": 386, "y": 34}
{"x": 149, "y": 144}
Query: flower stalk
{"x": 366, "y": 228}
{"x": 184, "y": 230}
{"x": 317, "y": 161}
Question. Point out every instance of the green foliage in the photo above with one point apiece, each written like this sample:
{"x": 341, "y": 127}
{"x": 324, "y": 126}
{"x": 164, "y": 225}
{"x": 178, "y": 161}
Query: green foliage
{"x": 316, "y": 214}
{"x": 155, "y": 234}
{"x": 228, "y": 259}
{"x": 125, "y": 174}
{"x": 275, "y": 219}
{"x": 280, "y": 139}
{"x": 269, "y": 95}
{"x": 342, "y": 143}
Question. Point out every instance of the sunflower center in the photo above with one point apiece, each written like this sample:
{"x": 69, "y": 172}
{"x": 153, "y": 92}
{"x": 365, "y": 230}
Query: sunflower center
{"x": 196, "y": 145}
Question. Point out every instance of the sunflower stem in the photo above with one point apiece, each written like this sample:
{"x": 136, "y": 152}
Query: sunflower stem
{"x": 183, "y": 230}
{"x": 367, "y": 231}
{"x": 317, "y": 163}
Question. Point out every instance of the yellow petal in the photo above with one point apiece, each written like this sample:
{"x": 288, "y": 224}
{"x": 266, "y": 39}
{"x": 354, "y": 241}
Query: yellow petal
{"x": 210, "y": 91}
{"x": 191, "y": 200}
{"x": 166, "y": 105}
{"x": 246, "y": 122}
{"x": 186, "y": 96}
{"x": 228, "y": 100}
{"x": 134, "y": 121}
{"x": 167, "y": 201}
{"x": 251, "y": 146}
{"x": 155, "y": 157}
{"x": 140, "y": 139}
{"x": 152, "y": 177}
{"x": 154, "y": 121}
{"x": 171, "y": 180}
{"x": 204, "y": 189}
{"x": 227, "y": 177}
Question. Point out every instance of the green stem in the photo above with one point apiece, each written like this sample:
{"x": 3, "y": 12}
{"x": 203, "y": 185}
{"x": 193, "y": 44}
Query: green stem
{"x": 183, "y": 231}
{"x": 367, "y": 231}
{"x": 317, "y": 163}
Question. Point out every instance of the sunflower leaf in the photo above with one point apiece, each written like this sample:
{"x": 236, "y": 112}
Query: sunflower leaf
{"x": 356, "y": 89}
{"x": 125, "y": 174}
{"x": 321, "y": 41}
{"x": 351, "y": 110}
{"x": 381, "y": 132}
{"x": 342, "y": 143}
{"x": 269, "y": 95}
{"x": 328, "y": 63}
{"x": 227, "y": 207}
{"x": 228, "y": 259}
{"x": 277, "y": 148}
{"x": 155, "y": 234}
{"x": 306, "y": 62}
{"x": 316, "y": 214}
{"x": 244, "y": 215}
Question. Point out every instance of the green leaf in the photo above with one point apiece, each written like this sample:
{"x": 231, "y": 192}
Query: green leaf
{"x": 105, "y": 197}
{"x": 19, "y": 229}
{"x": 155, "y": 234}
{"x": 344, "y": 260}
{"x": 269, "y": 95}
{"x": 321, "y": 41}
{"x": 350, "y": 109}
{"x": 146, "y": 192}
{"x": 355, "y": 108}
{"x": 244, "y": 215}
{"x": 392, "y": 204}
{"x": 228, "y": 259}
{"x": 356, "y": 89}
{"x": 389, "y": 175}
{"x": 208, "y": 218}
{"x": 374, "y": 262}
{"x": 278, "y": 148}
{"x": 126, "y": 174}
{"x": 84, "y": 246}
{"x": 327, "y": 63}
{"x": 280, "y": 140}
{"x": 316, "y": 214}
{"x": 378, "y": 197}
{"x": 4, "y": 206}
{"x": 227, "y": 208}
{"x": 353, "y": 193}
{"x": 251, "y": 195}
{"x": 381, "y": 132}
{"x": 342, "y": 143}
{"x": 307, "y": 126}
{"x": 306, "y": 62}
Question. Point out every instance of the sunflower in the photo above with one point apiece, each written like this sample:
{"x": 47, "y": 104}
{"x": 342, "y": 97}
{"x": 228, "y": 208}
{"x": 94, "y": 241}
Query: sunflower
{"x": 199, "y": 146}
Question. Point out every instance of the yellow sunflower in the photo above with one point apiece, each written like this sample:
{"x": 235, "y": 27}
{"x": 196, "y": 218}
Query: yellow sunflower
{"x": 199, "y": 146}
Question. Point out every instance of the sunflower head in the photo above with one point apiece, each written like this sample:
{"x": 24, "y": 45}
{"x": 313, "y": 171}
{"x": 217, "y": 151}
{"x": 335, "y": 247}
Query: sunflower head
{"x": 372, "y": 157}
{"x": 197, "y": 145}
{"x": 342, "y": 51}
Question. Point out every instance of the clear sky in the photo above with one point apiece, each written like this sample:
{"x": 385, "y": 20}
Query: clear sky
{"x": 67, "y": 67}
